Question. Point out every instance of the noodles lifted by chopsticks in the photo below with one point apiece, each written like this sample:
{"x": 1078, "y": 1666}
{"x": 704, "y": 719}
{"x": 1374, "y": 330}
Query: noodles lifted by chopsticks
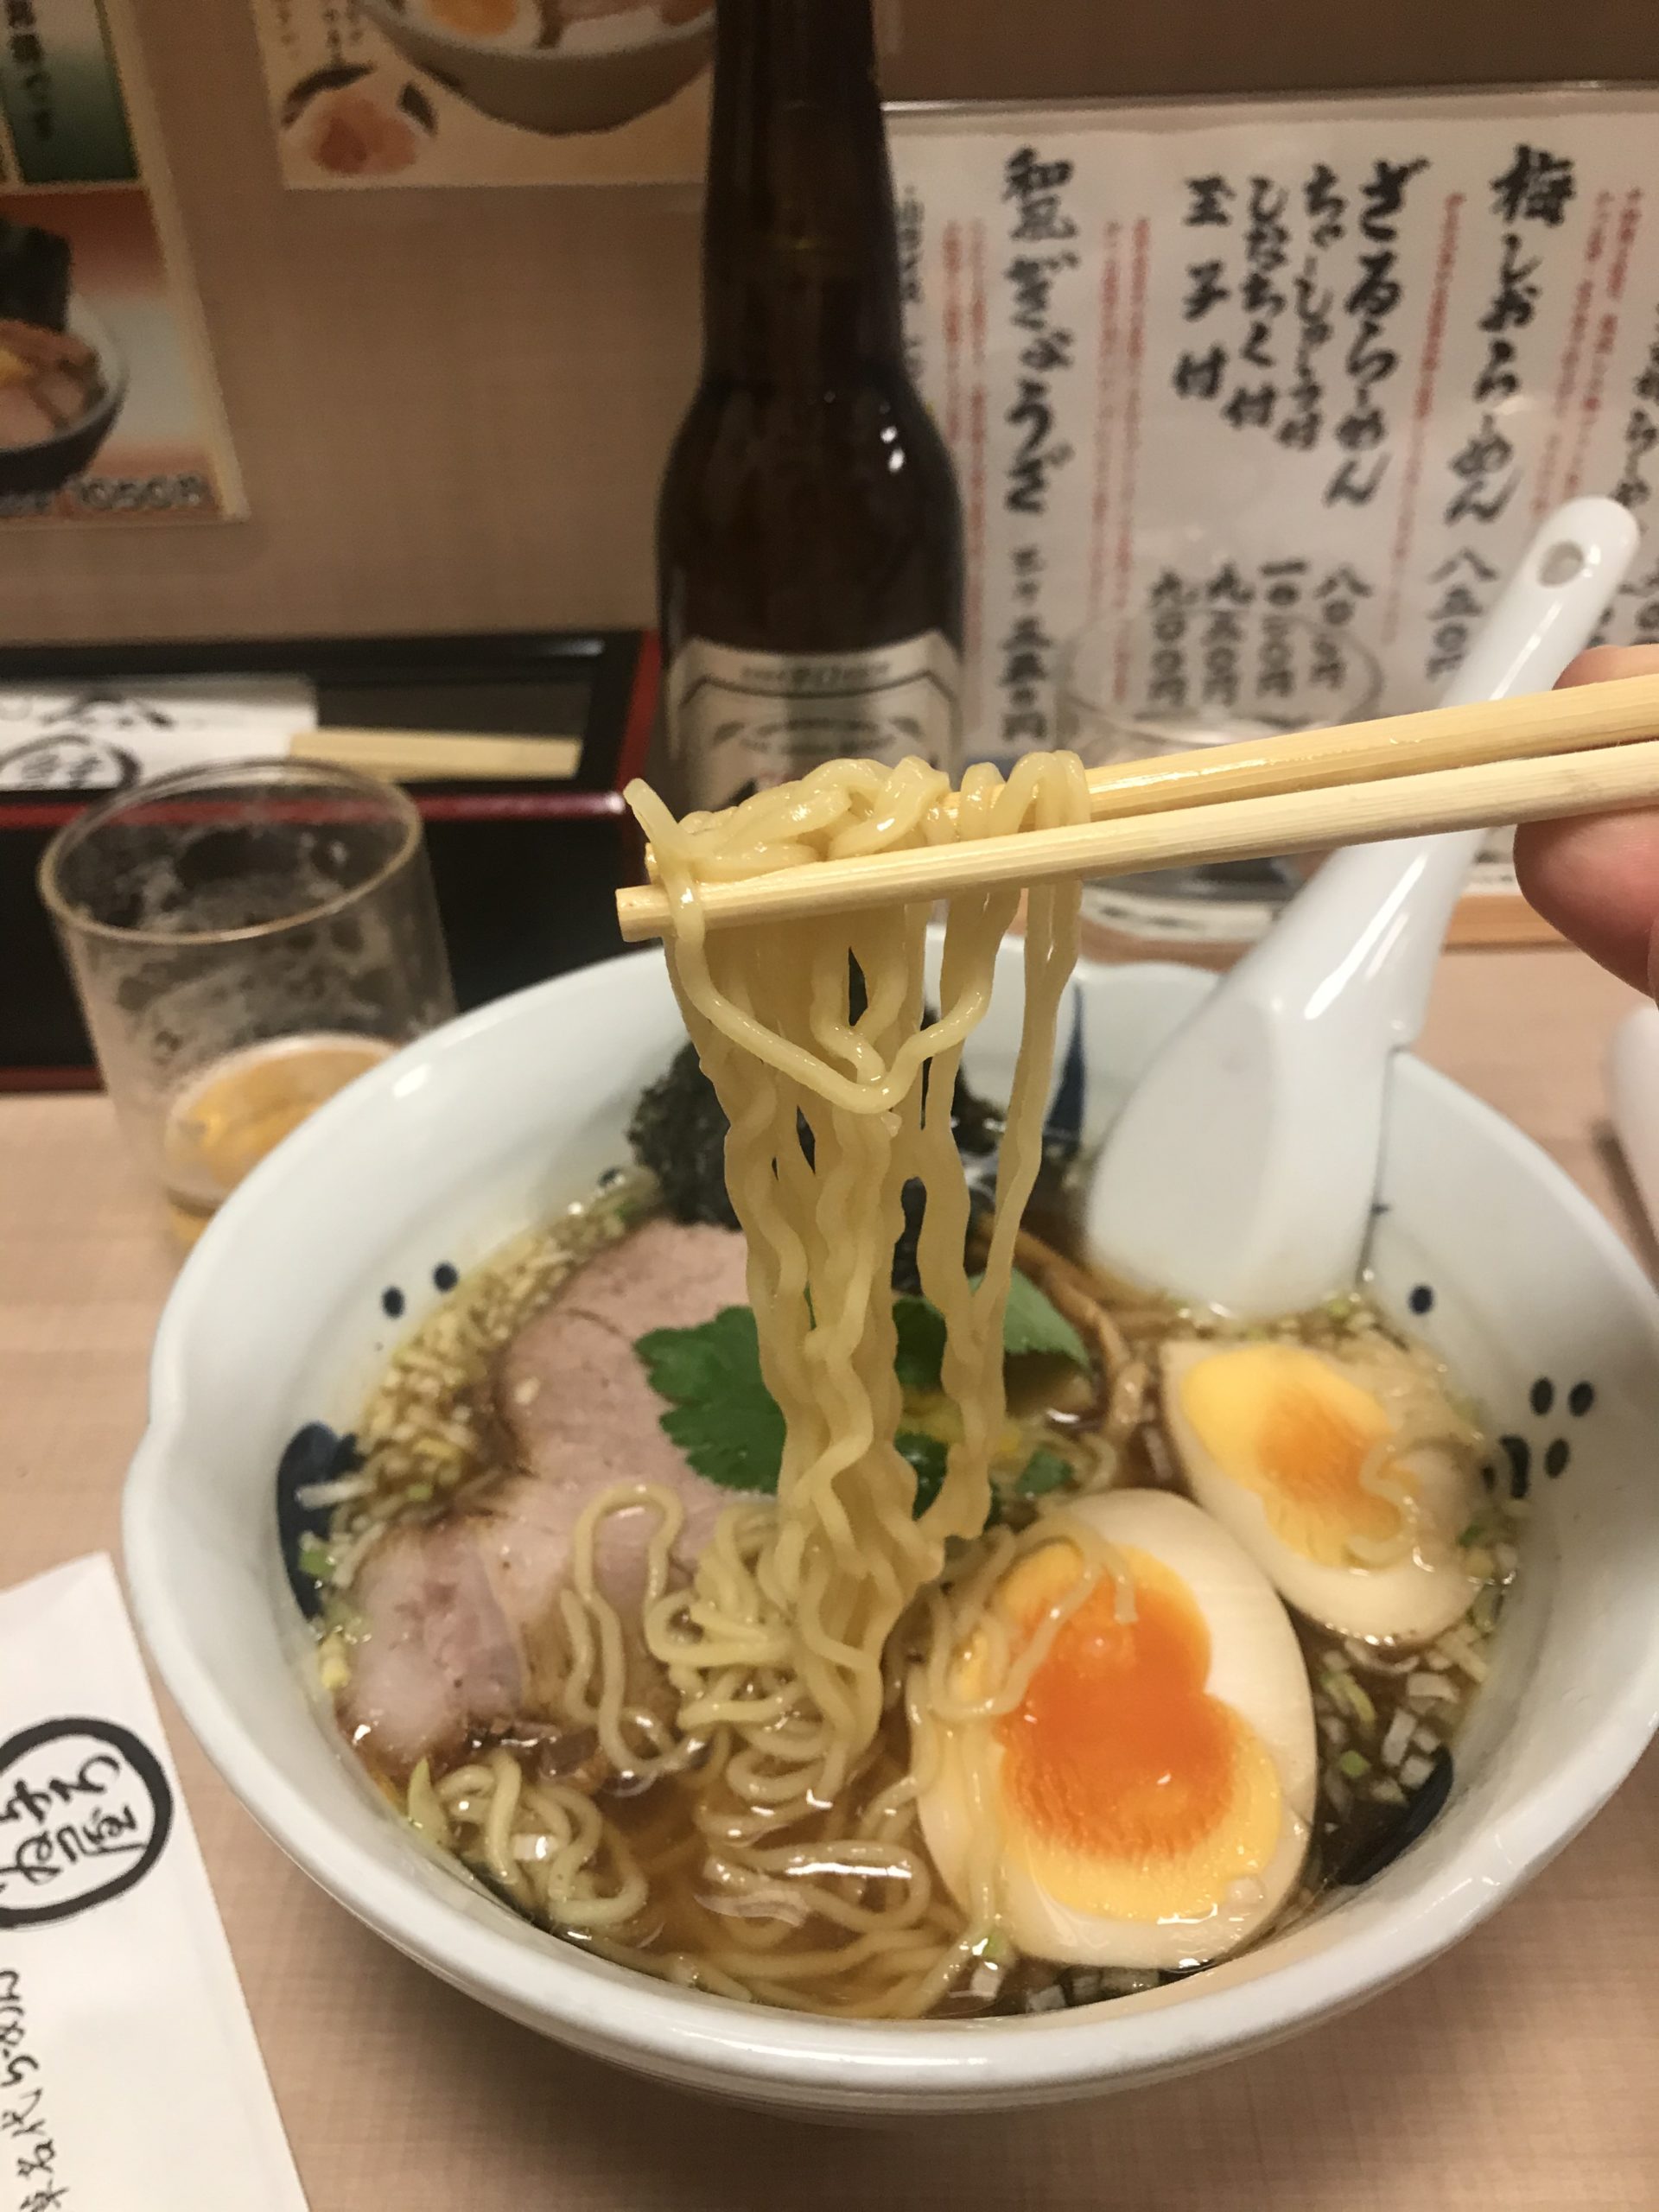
{"x": 778, "y": 1642}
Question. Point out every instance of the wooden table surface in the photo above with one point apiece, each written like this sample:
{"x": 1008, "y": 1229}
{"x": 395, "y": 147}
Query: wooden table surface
{"x": 1523, "y": 2071}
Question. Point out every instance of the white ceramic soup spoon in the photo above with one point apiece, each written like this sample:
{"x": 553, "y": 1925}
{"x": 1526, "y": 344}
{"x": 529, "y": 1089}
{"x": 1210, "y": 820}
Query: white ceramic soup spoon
{"x": 1241, "y": 1171}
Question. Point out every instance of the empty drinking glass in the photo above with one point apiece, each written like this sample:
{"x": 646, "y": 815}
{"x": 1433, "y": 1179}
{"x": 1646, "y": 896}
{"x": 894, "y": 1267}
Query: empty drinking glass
{"x": 245, "y": 939}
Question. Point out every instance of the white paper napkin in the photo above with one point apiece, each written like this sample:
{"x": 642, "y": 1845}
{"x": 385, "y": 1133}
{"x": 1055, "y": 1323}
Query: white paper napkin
{"x": 130, "y": 2077}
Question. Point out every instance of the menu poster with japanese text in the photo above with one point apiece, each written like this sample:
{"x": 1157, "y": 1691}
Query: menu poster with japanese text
{"x": 108, "y": 411}
{"x": 487, "y": 91}
{"x": 1337, "y": 361}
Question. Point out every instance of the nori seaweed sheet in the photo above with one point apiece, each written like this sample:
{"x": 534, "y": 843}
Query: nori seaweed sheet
{"x": 679, "y": 1132}
{"x": 33, "y": 276}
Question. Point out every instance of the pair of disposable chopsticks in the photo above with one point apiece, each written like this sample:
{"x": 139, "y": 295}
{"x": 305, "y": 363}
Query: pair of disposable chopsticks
{"x": 1556, "y": 752}
{"x": 415, "y": 756}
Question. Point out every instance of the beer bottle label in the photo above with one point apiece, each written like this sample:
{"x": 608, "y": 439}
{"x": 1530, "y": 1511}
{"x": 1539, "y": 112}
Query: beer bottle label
{"x": 739, "y": 722}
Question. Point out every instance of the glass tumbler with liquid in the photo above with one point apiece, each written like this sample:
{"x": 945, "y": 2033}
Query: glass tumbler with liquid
{"x": 245, "y": 939}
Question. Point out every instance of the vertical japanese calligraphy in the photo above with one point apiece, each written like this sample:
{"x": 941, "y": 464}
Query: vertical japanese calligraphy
{"x": 1370, "y": 362}
{"x": 1345, "y": 352}
{"x": 1635, "y": 485}
{"x": 909, "y": 219}
{"x": 1294, "y": 301}
{"x": 1042, "y": 245}
{"x": 1261, "y": 645}
{"x": 1313, "y": 306}
{"x": 1535, "y": 188}
{"x": 30, "y": 2158}
{"x": 1041, "y": 234}
{"x": 1465, "y": 586}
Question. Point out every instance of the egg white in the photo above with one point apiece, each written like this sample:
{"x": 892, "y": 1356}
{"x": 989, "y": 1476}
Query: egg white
{"x": 1411, "y": 1601}
{"x": 1255, "y": 1667}
{"x": 527, "y": 29}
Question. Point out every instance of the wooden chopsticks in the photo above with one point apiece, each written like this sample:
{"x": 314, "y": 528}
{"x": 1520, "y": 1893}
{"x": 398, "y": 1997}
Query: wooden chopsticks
{"x": 414, "y": 756}
{"x": 1555, "y": 753}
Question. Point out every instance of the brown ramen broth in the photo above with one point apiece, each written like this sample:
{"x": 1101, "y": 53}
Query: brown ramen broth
{"x": 481, "y": 1741}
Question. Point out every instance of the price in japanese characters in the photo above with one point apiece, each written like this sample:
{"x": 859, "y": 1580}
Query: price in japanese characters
{"x": 1347, "y": 354}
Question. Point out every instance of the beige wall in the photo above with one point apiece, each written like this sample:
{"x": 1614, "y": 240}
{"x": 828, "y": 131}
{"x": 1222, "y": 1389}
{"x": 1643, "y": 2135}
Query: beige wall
{"x": 978, "y": 49}
{"x": 451, "y": 407}
{"x": 448, "y": 406}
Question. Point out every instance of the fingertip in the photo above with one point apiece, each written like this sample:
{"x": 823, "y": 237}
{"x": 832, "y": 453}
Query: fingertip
{"x": 1596, "y": 879}
{"x": 1607, "y": 663}
{"x": 1538, "y": 849}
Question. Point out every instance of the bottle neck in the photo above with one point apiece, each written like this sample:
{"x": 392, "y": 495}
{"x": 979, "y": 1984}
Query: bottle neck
{"x": 800, "y": 258}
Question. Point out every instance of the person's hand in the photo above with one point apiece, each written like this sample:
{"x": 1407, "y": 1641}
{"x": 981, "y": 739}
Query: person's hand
{"x": 1597, "y": 878}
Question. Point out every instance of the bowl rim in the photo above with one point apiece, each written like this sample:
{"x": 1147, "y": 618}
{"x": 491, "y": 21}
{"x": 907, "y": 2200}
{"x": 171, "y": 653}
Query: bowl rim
{"x": 111, "y": 359}
{"x": 656, "y": 2027}
{"x": 395, "y": 23}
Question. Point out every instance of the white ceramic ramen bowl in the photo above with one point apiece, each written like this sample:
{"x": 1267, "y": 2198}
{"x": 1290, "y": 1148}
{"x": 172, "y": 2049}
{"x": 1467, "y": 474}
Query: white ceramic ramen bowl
{"x": 47, "y": 465}
{"x": 555, "y": 89}
{"x": 278, "y": 1319}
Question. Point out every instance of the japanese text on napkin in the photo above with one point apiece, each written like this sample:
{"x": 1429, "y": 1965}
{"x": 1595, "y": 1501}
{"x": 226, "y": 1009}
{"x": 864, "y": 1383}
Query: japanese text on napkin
{"x": 130, "y": 2077}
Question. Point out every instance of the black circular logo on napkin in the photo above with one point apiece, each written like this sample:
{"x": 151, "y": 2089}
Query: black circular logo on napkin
{"x": 69, "y": 761}
{"x": 84, "y": 1810}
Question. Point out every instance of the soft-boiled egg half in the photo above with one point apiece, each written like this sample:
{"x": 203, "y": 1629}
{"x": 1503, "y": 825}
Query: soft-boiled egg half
{"x": 1339, "y": 1476}
{"x": 1147, "y": 1802}
{"x": 516, "y": 24}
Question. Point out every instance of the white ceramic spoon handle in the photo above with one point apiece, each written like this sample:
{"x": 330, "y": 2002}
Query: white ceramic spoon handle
{"x": 1396, "y": 900}
{"x": 1243, "y": 1169}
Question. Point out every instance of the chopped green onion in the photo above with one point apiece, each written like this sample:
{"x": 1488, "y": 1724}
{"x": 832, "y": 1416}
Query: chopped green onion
{"x": 426, "y": 1809}
{"x": 1357, "y": 1700}
{"x": 333, "y": 1668}
{"x": 1353, "y": 1765}
{"x": 1397, "y": 1741}
{"x": 313, "y": 1557}
{"x": 1426, "y": 1688}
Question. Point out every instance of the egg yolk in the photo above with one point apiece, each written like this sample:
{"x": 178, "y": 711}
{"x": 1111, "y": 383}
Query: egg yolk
{"x": 1300, "y": 1435}
{"x": 475, "y": 18}
{"x": 1127, "y": 1789}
